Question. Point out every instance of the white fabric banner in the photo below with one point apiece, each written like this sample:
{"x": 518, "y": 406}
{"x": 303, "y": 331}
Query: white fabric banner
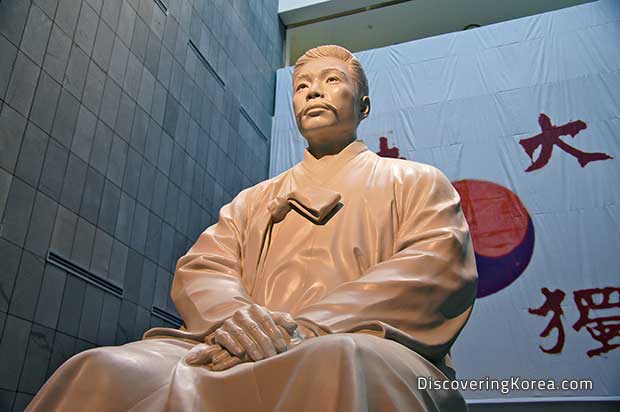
{"x": 524, "y": 118}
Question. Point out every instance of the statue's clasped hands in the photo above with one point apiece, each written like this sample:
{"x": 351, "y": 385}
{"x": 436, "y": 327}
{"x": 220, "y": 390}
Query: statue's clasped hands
{"x": 251, "y": 334}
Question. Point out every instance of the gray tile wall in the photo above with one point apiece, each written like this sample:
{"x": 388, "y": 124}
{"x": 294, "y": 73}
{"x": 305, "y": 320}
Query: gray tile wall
{"x": 119, "y": 143}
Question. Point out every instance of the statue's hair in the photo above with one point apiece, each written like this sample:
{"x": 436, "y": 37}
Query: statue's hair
{"x": 355, "y": 68}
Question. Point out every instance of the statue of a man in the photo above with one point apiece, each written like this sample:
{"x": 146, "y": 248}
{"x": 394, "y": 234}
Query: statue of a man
{"x": 330, "y": 287}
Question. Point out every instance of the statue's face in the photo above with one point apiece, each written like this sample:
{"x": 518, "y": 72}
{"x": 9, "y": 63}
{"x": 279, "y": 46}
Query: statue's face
{"x": 325, "y": 101}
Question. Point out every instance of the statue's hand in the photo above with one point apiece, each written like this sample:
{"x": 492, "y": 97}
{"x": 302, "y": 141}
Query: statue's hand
{"x": 214, "y": 357}
{"x": 202, "y": 354}
{"x": 252, "y": 333}
{"x": 222, "y": 359}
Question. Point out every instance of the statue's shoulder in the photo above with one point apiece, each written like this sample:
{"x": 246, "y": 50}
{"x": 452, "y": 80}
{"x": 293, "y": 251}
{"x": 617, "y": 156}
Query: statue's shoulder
{"x": 409, "y": 171}
{"x": 411, "y": 179}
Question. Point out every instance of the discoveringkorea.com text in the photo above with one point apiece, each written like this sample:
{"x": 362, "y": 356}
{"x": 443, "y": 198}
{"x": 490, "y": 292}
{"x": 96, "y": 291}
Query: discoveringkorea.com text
{"x": 504, "y": 386}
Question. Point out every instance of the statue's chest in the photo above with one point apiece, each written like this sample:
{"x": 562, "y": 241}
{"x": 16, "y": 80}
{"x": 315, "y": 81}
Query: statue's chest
{"x": 362, "y": 228}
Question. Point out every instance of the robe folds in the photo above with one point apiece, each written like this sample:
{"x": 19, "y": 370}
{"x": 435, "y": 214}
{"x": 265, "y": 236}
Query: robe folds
{"x": 371, "y": 254}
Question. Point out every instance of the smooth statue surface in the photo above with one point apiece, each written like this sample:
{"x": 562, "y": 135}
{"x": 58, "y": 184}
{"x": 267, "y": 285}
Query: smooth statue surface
{"x": 330, "y": 287}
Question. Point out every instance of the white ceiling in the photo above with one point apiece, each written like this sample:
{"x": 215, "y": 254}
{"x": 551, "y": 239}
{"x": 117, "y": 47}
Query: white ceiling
{"x": 389, "y": 23}
{"x": 296, "y": 11}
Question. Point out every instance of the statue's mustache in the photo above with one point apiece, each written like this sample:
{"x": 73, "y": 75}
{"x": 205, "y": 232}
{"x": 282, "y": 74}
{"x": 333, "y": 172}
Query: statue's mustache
{"x": 313, "y": 105}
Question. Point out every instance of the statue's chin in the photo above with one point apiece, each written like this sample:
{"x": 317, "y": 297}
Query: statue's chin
{"x": 326, "y": 131}
{"x": 309, "y": 124}
{"x": 319, "y": 132}
{"x": 329, "y": 144}
{"x": 321, "y": 135}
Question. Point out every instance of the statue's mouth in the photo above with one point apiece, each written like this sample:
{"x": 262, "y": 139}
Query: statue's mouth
{"x": 317, "y": 107}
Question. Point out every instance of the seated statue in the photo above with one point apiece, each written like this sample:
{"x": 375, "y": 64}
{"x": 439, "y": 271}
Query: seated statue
{"x": 331, "y": 287}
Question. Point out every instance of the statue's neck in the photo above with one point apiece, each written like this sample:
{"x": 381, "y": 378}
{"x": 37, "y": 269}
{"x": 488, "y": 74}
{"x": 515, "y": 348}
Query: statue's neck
{"x": 319, "y": 150}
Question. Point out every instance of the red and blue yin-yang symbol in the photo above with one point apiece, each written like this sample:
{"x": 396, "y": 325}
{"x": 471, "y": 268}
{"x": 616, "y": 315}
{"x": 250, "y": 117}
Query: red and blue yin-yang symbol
{"x": 502, "y": 233}
{"x": 500, "y": 226}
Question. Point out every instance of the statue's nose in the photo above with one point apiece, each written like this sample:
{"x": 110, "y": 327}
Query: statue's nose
{"x": 313, "y": 92}
{"x": 313, "y": 95}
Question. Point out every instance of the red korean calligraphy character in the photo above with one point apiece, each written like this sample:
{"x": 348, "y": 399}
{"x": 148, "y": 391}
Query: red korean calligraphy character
{"x": 385, "y": 151}
{"x": 597, "y": 315}
{"x": 552, "y": 305}
{"x": 550, "y": 137}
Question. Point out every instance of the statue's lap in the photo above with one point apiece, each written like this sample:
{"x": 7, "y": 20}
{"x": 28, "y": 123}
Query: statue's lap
{"x": 162, "y": 354}
{"x": 147, "y": 372}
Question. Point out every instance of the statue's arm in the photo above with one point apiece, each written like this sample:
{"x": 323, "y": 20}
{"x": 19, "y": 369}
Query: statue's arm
{"x": 207, "y": 288}
{"x": 210, "y": 295}
{"x": 426, "y": 289}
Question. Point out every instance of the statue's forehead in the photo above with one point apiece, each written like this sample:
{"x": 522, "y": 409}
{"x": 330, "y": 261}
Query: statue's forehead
{"x": 322, "y": 64}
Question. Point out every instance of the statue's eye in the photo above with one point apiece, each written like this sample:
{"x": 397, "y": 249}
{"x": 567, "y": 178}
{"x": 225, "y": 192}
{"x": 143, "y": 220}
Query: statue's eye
{"x": 301, "y": 86}
{"x": 332, "y": 79}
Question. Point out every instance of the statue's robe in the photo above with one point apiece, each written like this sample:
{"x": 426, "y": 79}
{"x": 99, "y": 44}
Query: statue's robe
{"x": 372, "y": 254}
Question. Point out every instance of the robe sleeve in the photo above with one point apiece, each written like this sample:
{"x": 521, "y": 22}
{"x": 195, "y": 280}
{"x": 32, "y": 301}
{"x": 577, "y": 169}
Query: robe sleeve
{"x": 423, "y": 294}
{"x": 207, "y": 287}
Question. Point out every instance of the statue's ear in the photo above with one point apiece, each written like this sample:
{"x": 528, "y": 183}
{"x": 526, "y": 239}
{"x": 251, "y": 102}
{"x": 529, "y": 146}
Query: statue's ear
{"x": 365, "y": 107}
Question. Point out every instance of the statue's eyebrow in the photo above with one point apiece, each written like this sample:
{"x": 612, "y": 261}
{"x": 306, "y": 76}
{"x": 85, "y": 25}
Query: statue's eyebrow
{"x": 329, "y": 69}
{"x": 302, "y": 76}
{"x": 325, "y": 70}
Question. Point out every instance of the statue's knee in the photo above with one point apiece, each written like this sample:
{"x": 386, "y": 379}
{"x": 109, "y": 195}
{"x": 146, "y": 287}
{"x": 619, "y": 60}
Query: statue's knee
{"x": 343, "y": 343}
{"x": 99, "y": 359}
{"x": 367, "y": 350}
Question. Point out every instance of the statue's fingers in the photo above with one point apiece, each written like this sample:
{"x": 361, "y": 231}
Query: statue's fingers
{"x": 251, "y": 348}
{"x": 256, "y": 333}
{"x": 201, "y": 354}
{"x": 286, "y": 321}
{"x": 220, "y": 356}
{"x": 263, "y": 319}
{"x": 225, "y": 339}
{"x": 226, "y": 364}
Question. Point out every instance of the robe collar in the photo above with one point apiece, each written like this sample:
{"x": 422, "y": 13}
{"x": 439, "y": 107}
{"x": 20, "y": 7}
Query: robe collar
{"x": 315, "y": 203}
{"x": 330, "y": 164}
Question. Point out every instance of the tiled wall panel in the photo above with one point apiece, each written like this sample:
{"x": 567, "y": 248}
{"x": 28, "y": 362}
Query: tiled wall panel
{"x": 124, "y": 128}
